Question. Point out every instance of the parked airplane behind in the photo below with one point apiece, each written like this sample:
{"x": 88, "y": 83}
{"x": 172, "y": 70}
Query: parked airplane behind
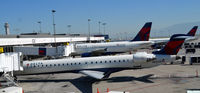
{"x": 94, "y": 49}
{"x": 169, "y": 52}
{"x": 102, "y": 67}
{"x": 192, "y": 32}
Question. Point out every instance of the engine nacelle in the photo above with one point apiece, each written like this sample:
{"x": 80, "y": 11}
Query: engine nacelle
{"x": 143, "y": 57}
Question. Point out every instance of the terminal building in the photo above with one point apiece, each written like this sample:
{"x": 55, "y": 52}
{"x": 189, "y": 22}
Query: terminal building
{"x": 38, "y": 39}
{"x": 190, "y": 51}
{"x": 44, "y": 44}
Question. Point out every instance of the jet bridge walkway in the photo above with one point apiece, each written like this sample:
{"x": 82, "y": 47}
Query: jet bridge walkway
{"x": 9, "y": 62}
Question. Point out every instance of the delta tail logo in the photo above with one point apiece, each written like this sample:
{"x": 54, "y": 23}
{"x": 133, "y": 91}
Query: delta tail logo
{"x": 173, "y": 46}
{"x": 144, "y": 33}
{"x": 193, "y": 31}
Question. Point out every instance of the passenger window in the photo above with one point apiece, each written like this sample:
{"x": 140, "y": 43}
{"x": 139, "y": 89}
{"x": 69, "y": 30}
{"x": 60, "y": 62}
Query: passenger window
{"x": 85, "y": 62}
{"x": 74, "y": 63}
{"x": 79, "y": 63}
{"x": 54, "y": 64}
{"x": 63, "y": 64}
{"x": 110, "y": 61}
{"x": 71, "y": 64}
{"x": 100, "y": 61}
{"x": 50, "y": 65}
{"x": 67, "y": 64}
{"x": 91, "y": 62}
{"x": 105, "y": 61}
{"x": 58, "y": 64}
{"x": 114, "y": 60}
{"x": 119, "y": 60}
{"x": 123, "y": 60}
{"x": 46, "y": 65}
{"x": 96, "y": 62}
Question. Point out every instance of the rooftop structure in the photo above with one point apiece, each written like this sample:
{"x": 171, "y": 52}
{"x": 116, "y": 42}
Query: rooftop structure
{"x": 35, "y": 38}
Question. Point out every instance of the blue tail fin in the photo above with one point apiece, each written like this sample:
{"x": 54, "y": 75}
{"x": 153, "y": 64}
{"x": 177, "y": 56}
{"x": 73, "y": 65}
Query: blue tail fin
{"x": 143, "y": 35}
{"x": 193, "y": 31}
{"x": 173, "y": 45}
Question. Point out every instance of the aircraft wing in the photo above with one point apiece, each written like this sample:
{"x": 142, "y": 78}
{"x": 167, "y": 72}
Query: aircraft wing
{"x": 93, "y": 52}
{"x": 93, "y": 74}
{"x": 160, "y": 40}
{"x": 190, "y": 39}
{"x": 144, "y": 45}
{"x": 98, "y": 51}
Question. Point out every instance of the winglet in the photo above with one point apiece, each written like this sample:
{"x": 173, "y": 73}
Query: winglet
{"x": 144, "y": 33}
{"x": 173, "y": 45}
{"x": 193, "y": 31}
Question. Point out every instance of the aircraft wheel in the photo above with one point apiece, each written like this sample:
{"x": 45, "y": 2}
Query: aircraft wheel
{"x": 15, "y": 79}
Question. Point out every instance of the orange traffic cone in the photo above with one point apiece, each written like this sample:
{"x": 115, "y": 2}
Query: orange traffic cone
{"x": 197, "y": 73}
{"x": 98, "y": 90}
{"x": 107, "y": 90}
{"x": 22, "y": 91}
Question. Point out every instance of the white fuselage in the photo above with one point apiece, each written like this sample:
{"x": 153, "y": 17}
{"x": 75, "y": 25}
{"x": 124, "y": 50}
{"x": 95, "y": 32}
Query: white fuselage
{"x": 124, "y": 46}
{"x": 78, "y": 64}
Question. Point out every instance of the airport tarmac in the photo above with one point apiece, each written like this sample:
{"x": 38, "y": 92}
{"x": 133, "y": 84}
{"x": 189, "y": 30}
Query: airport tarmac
{"x": 164, "y": 79}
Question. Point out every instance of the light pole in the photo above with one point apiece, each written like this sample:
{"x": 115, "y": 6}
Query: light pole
{"x": 104, "y": 27}
{"x": 54, "y": 26}
{"x": 54, "y": 29}
{"x": 39, "y": 22}
{"x": 99, "y": 27}
{"x": 89, "y": 29}
{"x": 69, "y": 28}
{"x": 125, "y": 35}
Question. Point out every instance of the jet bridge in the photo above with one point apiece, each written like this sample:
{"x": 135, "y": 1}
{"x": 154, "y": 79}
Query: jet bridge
{"x": 10, "y": 62}
{"x": 45, "y": 51}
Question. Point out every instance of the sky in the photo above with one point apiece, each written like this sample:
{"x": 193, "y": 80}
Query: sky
{"x": 122, "y": 17}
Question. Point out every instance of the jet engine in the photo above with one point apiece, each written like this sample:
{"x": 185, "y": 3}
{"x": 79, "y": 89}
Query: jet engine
{"x": 143, "y": 57}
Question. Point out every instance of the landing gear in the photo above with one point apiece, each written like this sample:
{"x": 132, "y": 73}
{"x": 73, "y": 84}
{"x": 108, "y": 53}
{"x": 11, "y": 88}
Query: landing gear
{"x": 11, "y": 80}
{"x": 15, "y": 78}
{"x": 182, "y": 62}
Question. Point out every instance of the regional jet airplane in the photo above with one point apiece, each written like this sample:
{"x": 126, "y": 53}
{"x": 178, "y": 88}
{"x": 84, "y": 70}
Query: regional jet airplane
{"x": 101, "y": 67}
{"x": 192, "y": 32}
{"x": 94, "y": 49}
